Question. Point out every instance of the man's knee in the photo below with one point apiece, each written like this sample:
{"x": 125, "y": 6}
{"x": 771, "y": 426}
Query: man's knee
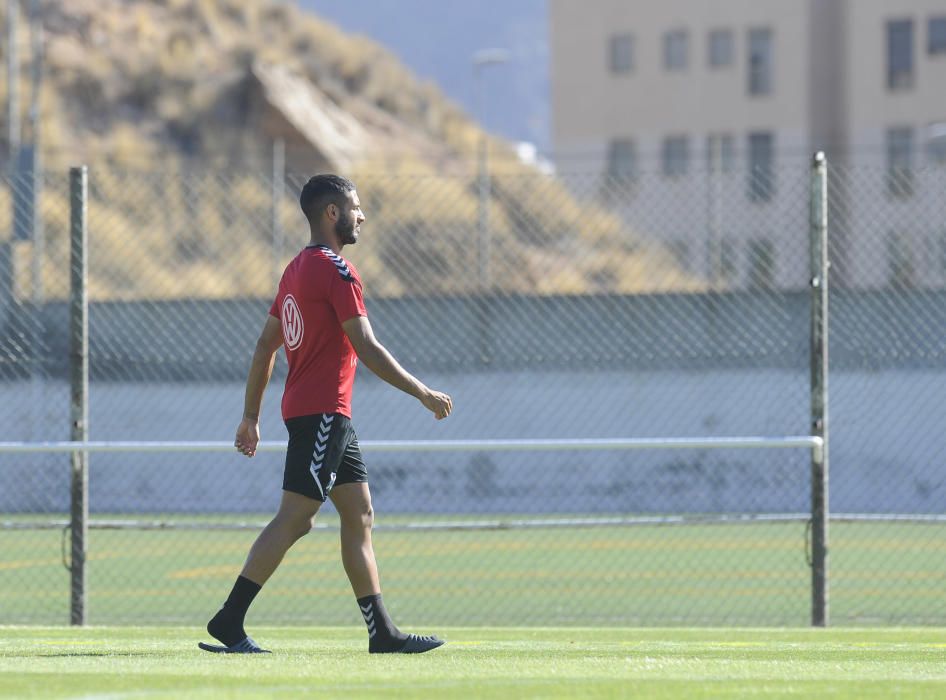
{"x": 297, "y": 514}
{"x": 295, "y": 525}
{"x": 296, "y": 519}
{"x": 367, "y": 517}
{"x": 304, "y": 526}
{"x": 361, "y": 518}
{"x": 353, "y": 503}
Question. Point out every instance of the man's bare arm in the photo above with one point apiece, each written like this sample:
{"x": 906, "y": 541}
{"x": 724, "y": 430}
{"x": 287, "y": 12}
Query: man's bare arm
{"x": 377, "y": 358}
{"x": 261, "y": 369}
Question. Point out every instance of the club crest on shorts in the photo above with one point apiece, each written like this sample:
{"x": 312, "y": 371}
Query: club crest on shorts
{"x": 292, "y": 328}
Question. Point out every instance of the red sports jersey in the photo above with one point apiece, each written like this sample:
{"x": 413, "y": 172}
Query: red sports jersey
{"x": 319, "y": 290}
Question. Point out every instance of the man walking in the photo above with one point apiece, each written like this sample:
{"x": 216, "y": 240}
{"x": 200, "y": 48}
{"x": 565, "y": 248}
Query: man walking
{"x": 319, "y": 317}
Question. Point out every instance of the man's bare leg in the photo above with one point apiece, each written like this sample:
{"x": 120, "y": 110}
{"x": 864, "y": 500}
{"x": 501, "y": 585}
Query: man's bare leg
{"x": 353, "y": 503}
{"x": 293, "y": 520}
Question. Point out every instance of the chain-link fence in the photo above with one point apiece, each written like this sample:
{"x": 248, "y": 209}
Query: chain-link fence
{"x": 574, "y": 307}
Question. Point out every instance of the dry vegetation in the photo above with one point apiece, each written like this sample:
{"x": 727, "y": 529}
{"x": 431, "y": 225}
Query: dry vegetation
{"x": 142, "y": 91}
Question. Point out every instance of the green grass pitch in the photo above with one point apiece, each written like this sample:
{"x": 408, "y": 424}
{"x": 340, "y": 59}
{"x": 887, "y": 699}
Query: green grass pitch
{"x": 164, "y": 662}
{"x": 738, "y": 574}
{"x": 558, "y": 613}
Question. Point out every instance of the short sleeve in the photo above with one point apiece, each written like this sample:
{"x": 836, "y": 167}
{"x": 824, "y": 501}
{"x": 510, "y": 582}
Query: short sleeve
{"x": 274, "y": 309}
{"x": 346, "y": 298}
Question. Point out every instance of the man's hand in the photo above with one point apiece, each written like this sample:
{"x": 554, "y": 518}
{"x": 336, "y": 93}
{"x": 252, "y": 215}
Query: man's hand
{"x": 438, "y": 403}
{"x": 247, "y": 436}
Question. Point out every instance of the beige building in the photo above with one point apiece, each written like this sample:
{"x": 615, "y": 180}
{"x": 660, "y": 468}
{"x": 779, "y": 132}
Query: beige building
{"x": 697, "y": 117}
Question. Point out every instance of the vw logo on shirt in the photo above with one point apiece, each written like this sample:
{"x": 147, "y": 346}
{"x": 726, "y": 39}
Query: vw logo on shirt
{"x": 292, "y": 328}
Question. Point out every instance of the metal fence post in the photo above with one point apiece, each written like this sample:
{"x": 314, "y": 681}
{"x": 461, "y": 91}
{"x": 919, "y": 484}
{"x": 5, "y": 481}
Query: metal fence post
{"x": 278, "y": 194}
{"x": 79, "y": 380}
{"x": 818, "y": 240}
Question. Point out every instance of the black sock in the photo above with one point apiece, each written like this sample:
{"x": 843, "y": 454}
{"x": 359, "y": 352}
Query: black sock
{"x": 382, "y": 634}
{"x": 227, "y": 624}
{"x": 243, "y": 593}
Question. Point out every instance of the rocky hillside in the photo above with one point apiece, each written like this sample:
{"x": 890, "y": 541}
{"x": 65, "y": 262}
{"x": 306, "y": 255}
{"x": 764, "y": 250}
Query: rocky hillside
{"x": 176, "y": 104}
{"x": 127, "y": 79}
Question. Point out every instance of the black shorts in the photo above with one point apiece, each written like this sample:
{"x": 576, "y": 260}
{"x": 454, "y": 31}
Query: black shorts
{"x": 323, "y": 453}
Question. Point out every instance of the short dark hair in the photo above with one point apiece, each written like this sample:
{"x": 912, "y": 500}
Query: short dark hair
{"x": 322, "y": 190}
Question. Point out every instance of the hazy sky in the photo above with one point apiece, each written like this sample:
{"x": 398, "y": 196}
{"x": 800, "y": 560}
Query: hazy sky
{"x": 437, "y": 39}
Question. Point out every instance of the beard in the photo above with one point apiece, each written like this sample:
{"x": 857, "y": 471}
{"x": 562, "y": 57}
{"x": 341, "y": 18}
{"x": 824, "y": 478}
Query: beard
{"x": 346, "y": 230}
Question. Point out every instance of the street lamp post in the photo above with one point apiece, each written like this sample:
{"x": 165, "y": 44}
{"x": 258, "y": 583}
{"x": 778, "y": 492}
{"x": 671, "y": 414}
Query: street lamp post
{"x": 481, "y": 59}
{"x": 35, "y": 169}
{"x": 13, "y": 82}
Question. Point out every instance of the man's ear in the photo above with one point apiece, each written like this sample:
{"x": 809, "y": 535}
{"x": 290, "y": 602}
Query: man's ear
{"x": 332, "y": 211}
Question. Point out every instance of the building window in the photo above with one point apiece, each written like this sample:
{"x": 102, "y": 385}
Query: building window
{"x": 720, "y": 153}
{"x": 761, "y": 184}
{"x": 901, "y": 272}
{"x": 900, "y": 54}
{"x": 936, "y": 39}
{"x": 622, "y": 160}
{"x": 762, "y": 264}
{"x": 728, "y": 260}
{"x": 675, "y": 50}
{"x": 675, "y": 155}
{"x": 760, "y": 61}
{"x": 930, "y": 257}
{"x": 680, "y": 250}
{"x": 942, "y": 254}
{"x": 900, "y": 161}
{"x": 936, "y": 143}
{"x": 720, "y": 48}
{"x": 621, "y": 53}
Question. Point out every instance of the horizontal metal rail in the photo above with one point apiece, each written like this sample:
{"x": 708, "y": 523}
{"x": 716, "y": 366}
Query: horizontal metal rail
{"x": 490, "y": 523}
{"x": 810, "y": 441}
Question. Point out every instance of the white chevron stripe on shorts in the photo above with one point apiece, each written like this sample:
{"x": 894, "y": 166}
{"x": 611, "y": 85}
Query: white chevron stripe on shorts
{"x": 321, "y": 448}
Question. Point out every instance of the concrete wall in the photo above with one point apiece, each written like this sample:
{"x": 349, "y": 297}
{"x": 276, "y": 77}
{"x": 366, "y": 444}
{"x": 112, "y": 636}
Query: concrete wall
{"x": 558, "y": 368}
{"x": 888, "y": 453}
